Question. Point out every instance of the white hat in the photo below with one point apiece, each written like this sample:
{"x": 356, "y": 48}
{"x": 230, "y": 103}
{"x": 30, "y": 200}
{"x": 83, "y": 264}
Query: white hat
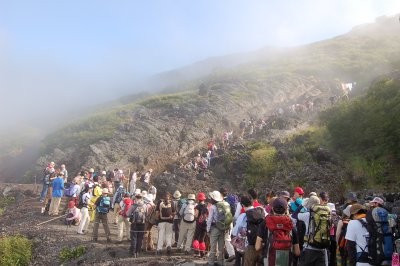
{"x": 191, "y": 197}
{"x": 104, "y": 173}
{"x": 150, "y": 197}
{"x": 144, "y": 193}
{"x": 177, "y": 194}
{"x": 120, "y": 171}
{"x": 137, "y": 191}
{"x": 311, "y": 201}
{"x": 346, "y": 211}
{"x": 91, "y": 170}
{"x": 104, "y": 190}
{"x": 216, "y": 195}
{"x": 331, "y": 206}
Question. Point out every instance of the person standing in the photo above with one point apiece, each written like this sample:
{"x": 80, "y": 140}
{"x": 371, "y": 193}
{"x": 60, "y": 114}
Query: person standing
{"x": 85, "y": 202}
{"x": 102, "y": 205}
{"x": 165, "y": 213}
{"x": 48, "y": 172}
{"x": 65, "y": 172}
{"x": 177, "y": 221}
{"x": 188, "y": 223}
{"x": 123, "y": 218}
{"x": 151, "y": 220}
{"x": 201, "y": 214}
{"x": 146, "y": 179}
{"x": 132, "y": 184}
{"x": 58, "y": 187}
{"x": 137, "y": 214}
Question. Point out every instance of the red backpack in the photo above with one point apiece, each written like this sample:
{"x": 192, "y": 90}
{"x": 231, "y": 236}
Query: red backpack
{"x": 280, "y": 235}
{"x": 127, "y": 204}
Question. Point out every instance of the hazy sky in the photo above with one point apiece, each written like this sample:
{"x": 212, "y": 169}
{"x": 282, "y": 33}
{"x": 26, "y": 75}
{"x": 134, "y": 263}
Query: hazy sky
{"x": 65, "y": 54}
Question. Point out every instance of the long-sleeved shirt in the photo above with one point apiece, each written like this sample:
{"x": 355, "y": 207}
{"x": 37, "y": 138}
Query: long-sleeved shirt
{"x": 134, "y": 206}
{"x": 212, "y": 217}
{"x": 241, "y": 222}
{"x": 58, "y": 187}
{"x": 76, "y": 189}
{"x": 76, "y": 214}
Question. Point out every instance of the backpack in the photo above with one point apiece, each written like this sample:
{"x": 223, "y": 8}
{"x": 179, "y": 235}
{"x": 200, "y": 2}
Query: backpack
{"x": 380, "y": 241}
{"x": 81, "y": 201}
{"x": 104, "y": 205}
{"x": 224, "y": 216}
{"x": 127, "y": 204}
{"x": 142, "y": 177}
{"x": 255, "y": 217}
{"x": 233, "y": 200}
{"x": 319, "y": 227}
{"x": 165, "y": 210}
{"x": 97, "y": 190}
{"x": 138, "y": 216}
{"x": 188, "y": 213}
{"x": 203, "y": 216}
{"x": 118, "y": 195}
{"x": 342, "y": 241}
{"x": 69, "y": 192}
{"x": 151, "y": 214}
{"x": 280, "y": 239}
{"x": 179, "y": 205}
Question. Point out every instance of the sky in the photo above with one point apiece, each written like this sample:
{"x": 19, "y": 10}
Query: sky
{"x": 63, "y": 55}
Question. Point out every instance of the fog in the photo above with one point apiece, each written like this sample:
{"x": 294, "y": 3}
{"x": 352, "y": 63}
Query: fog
{"x": 59, "y": 59}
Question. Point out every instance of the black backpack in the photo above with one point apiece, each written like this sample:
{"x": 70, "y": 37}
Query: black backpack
{"x": 255, "y": 217}
{"x": 81, "y": 201}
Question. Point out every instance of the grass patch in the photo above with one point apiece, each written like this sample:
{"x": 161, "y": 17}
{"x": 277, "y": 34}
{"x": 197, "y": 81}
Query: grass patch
{"x": 262, "y": 164}
{"x": 4, "y": 203}
{"x": 71, "y": 253}
{"x": 15, "y": 250}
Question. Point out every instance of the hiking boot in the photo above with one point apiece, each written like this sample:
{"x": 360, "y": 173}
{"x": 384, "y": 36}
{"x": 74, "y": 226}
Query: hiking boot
{"x": 169, "y": 251}
{"x": 231, "y": 258}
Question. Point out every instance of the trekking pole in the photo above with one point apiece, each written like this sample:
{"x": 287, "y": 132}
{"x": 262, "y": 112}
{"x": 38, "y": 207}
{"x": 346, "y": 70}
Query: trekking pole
{"x": 51, "y": 220}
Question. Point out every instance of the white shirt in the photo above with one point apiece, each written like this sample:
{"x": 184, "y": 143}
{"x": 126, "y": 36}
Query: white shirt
{"x": 358, "y": 233}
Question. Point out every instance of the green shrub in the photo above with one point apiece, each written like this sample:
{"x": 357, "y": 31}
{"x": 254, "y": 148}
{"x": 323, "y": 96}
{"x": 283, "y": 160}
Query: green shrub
{"x": 15, "y": 250}
{"x": 262, "y": 165}
{"x": 71, "y": 253}
{"x": 4, "y": 202}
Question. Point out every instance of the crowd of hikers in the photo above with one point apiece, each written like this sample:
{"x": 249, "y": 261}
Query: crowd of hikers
{"x": 251, "y": 228}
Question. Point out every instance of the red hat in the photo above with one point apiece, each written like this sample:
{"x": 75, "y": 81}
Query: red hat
{"x": 299, "y": 190}
{"x": 71, "y": 204}
{"x": 201, "y": 196}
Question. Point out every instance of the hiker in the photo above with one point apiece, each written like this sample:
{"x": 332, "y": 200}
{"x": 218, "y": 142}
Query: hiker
{"x": 102, "y": 205}
{"x": 119, "y": 178}
{"x": 225, "y": 138}
{"x": 201, "y": 214}
{"x": 73, "y": 215}
{"x": 333, "y": 223}
{"x": 242, "y": 127}
{"x": 151, "y": 220}
{"x": 137, "y": 215}
{"x": 72, "y": 193}
{"x": 253, "y": 193}
{"x": 65, "y": 172}
{"x": 218, "y": 223}
{"x": 165, "y": 213}
{"x": 251, "y": 127}
{"x": 132, "y": 184}
{"x": 269, "y": 198}
{"x": 84, "y": 202}
{"x": 145, "y": 179}
{"x": 228, "y": 245}
{"x": 176, "y": 201}
{"x": 188, "y": 225}
{"x": 91, "y": 174}
{"x": 123, "y": 218}
{"x": 295, "y": 203}
{"x": 47, "y": 173}
{"x": 153, "y": 190}
{"x": 317, "y": 239}
{"x": 58, "y": 188}
{"x": 341, "y": 229}
{"x": 297, "y": 199}
{"x": 285, "y": 234}
{"x": 103, "y": 177}
{"x": 239, "y": 231}
{"x": 117, "y": 198}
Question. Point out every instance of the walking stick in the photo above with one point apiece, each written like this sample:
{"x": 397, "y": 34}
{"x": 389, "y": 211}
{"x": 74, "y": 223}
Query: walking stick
{"x": 51, "y": 220}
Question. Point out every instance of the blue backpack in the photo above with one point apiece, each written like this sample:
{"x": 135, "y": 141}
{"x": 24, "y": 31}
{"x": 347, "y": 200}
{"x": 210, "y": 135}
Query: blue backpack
{"x": 104, "y": 205}
{"x": 69, "y": 192}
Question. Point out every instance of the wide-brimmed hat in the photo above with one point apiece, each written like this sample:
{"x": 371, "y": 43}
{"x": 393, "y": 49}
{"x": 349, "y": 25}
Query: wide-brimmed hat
{"x": 311, "y": 201}
{"x": 216, "y": 195}
{"x": 103, "y": 172}
{"x": 377, "y": 200}
{"x": 104, "y": 190}
{"x": 150, "y": 197}
{"x": 177, "y": 194}
{"x": 356, "y": 208}
{"x": 91, "y": 170}
{"x": 191, "y": 197}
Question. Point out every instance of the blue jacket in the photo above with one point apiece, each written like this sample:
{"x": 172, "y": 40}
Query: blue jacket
{"x": 58, "y": 187}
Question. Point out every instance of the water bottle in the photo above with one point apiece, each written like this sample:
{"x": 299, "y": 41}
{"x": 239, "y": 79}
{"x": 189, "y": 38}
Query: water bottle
{"x": 395, "y": 259}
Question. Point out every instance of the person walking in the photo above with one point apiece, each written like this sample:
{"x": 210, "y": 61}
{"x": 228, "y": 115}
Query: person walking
{"x": 165, "y": 213}
{"x": 85, "y": 202}
{"x": 58, "y": 188}
{"x": 137, "y": 214}
{"x": 188, "y": 224}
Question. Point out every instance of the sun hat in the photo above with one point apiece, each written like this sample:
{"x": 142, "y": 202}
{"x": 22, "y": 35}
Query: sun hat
{"x": 137, "y": 191}
{"x": 177, "y": 194}
{"x": 284, "y": 194}
{"x": 356, "y": 208}
{"x": 377, "y": 200}
{"x": 311, "y": 201}
{"x": 216, "y": 195}
{"x": 191, "y": 197}
{"x": 312, "y": 194}
{"x": 346, "y": 211}
{"x": 91, "y": 170}
{"x": 104, "y": 190}
{"x": 201, "y": 196}
{"x": 103, "y": 172}
{"x": 331, "y": 206}
{"x": 299, "y": 190}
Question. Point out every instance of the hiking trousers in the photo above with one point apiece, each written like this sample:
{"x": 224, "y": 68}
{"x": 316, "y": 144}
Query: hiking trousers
{"x": 176, "y": 225}
{"x": 250, "y": 256}
{"x": 311, "y": 257}
{"x": 148, "y": 241}
{"x": 186, "y": 231}
{"x": 116, "y": 212}
{"x": 85, "y": 221}
{"x": 54, "y": 205}
{"x": 44, "y": 191}
{"x": 228, "y": 244}
{"x": 164, "y": 234}
{"x": 123, "y": 222}
{"x": 103, "y": 218}
{"x": 217, "y": 240}
{"x": 137, "y": 233}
